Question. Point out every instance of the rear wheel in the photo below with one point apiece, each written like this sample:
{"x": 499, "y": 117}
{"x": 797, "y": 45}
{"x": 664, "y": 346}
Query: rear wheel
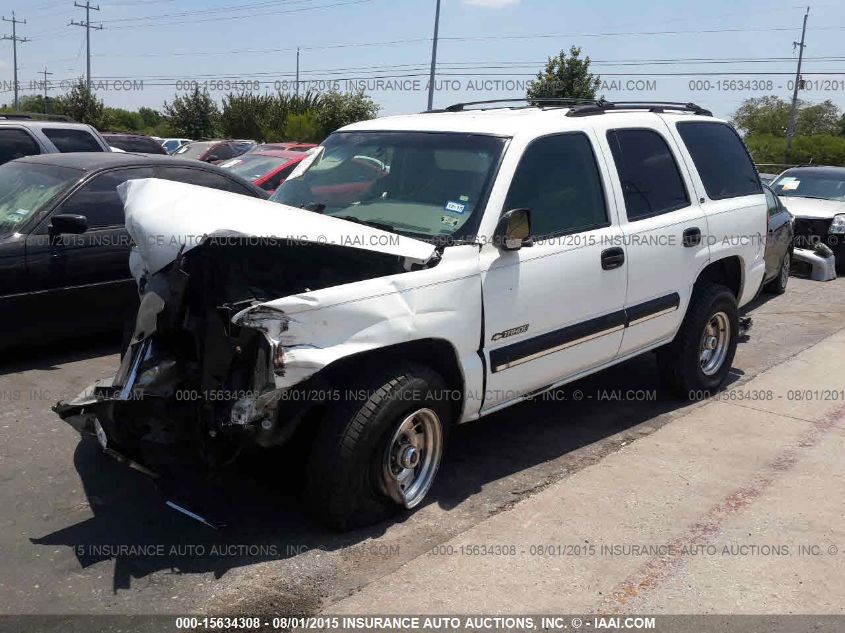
{"x": 778, "y": 284}
{"x": 379, "y": 453}
{"x": 696, "y": 363}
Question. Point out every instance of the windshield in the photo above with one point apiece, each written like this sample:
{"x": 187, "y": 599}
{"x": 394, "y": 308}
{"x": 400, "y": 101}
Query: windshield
{"x": 25, "y": 188}
{"x": 193, "y": 150}
{"x": 254, "y": 166}
{"x": 171, "y": 145}
{"x": 800, "y": 184}
{"x": 426, "y": 185}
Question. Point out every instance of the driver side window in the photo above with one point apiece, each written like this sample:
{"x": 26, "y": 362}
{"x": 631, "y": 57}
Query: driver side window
{"x": 559, "y": 182}
{"x": 98, "y": 199}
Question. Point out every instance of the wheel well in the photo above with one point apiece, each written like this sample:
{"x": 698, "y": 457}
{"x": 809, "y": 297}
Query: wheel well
{"x": 437, "y": 354}
{"x": 727, "y": 272}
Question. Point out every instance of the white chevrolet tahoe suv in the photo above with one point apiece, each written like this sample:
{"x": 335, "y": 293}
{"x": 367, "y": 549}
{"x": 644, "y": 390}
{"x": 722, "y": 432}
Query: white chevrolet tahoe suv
{"x": 425, "y": 271}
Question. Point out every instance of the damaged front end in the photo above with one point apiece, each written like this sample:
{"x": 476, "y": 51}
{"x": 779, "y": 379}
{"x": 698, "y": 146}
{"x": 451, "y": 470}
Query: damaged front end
{"x": 199, "y": 381}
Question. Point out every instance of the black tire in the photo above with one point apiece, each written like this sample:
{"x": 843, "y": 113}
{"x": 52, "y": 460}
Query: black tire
{"x": 777, "y": 286}
{"x": 679, "y": 362}
{"x": 344, "y": 467}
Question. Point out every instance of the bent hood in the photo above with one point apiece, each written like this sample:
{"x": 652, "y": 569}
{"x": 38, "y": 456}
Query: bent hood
{"x": 813, "y": 207}
{"x": 164, "y": 217}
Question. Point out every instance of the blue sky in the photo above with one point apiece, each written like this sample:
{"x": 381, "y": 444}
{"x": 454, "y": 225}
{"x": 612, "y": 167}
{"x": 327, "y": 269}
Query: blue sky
{"x": 483, "y": 41}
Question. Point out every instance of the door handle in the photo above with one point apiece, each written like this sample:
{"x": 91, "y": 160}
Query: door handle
{"x": 692, "y": 237}
{"x": 612, "y": 258}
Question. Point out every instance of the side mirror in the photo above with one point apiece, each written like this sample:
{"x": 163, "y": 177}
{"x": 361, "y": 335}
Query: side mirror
{"x": 68, "y": 223}
{"x": 514, "y": 230}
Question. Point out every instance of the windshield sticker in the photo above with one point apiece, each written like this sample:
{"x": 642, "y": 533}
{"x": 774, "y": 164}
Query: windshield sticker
{"x": 789, "y": 186}
{"x": 19, "y": 214}
{"x": 449, "y": 221}
{"x": 464, "y": 198}
{"x": 455, "y": 207}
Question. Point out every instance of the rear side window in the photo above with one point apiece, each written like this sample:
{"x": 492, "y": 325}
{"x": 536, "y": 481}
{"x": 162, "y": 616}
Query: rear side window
{"x": 16, "y": 144}
{"x": 651, "y": 181}
{"x": 99, "y": 201}
{"x": 721, "y": 159}
{"x": 67, "y": 140}
{"x": 202, "y": 178}
{"x": 558, "y": 181}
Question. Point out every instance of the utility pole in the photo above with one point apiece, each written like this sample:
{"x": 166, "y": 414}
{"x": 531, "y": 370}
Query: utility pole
{"x": 87, "y": 24}
{"x": 297, "y": 71}
{"x": 45, "y": 73}
{"x": 790, "y": 130}
{"x": 433, "y": 57}
{"x": 15, "y": 39}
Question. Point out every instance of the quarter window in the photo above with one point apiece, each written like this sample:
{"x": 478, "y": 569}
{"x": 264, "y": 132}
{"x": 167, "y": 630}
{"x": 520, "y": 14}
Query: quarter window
{"x": 651, "y": 181}
{"x": 68, "y": 140}
{"x": 16, "y": 143}
{"x": 559, "y": 182}
{"x": 721, "y": 159}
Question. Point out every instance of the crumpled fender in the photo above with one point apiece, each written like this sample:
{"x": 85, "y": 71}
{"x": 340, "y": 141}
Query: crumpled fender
{"x": 315, "y": 329}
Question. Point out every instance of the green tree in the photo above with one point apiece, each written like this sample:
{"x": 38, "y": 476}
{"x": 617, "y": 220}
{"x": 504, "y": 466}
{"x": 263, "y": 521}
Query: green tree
{"x": 762, "y": 115}
{"x": 81, "y": 104}
{"x": 342, "y": 108}
{"x": 149, "y": 117}
{"x": 194, "y": 115}
{"x": 120, "y": 120}
{"x": 304, "y": 127}
{"x": 565, "y": 76}
{"x": 821, "y": 118}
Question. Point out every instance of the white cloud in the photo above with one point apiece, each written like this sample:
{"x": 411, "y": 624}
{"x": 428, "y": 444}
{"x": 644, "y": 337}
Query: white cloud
{"x": 492, "y": 4}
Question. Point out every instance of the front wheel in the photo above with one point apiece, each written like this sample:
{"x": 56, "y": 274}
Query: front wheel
{"x": 696, "y": 363}
{"x": 379, "y": 452}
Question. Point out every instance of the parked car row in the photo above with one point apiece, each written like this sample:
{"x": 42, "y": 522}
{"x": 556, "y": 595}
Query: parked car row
{"x": 64, "y": 250}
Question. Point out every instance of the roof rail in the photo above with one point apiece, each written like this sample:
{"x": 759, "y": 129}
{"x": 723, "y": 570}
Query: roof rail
{"x": 600, "y": 107}
{"x": 533, "y": 102}
{"x": 34, "y": 116}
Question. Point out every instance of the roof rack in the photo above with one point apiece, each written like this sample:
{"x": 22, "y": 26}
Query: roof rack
{"x": 583, "y": 107}
{"x": 34, "y": 116}
{"x": 534, "y": 102}
{"x": 601, "y": 107}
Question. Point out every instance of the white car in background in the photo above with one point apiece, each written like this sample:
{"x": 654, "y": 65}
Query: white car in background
{"x": 170, "y": 145}
{"x": 816, "y": 197}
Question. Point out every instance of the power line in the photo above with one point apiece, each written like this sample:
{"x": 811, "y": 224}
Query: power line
{"x": 87, "y": 24}
{"x": 15, "y": 39}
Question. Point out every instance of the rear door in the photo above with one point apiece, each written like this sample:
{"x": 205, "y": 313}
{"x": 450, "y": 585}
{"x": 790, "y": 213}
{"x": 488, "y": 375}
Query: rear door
{"x": 664, "y": 227}
{"x": 730, "y": 193}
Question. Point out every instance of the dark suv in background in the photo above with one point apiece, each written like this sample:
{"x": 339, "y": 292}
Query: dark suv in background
{"x": 23, "y": 135}
{"x": 64, "y": 251}
{"x": 134, "y": 143}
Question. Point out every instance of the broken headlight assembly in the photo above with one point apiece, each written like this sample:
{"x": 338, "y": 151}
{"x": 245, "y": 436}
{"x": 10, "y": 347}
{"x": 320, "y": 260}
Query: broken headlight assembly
{"x": 837, "y": 227}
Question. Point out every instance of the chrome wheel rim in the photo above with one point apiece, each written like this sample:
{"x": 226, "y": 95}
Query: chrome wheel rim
{"x": 412, "y": 458}
{"x": 715, "y": 340}
{"x": 784, "y": 271}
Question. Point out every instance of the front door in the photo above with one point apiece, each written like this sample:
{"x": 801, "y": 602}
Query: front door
{"x": 554, "y": 309}
{"x": 85, "y": 278}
